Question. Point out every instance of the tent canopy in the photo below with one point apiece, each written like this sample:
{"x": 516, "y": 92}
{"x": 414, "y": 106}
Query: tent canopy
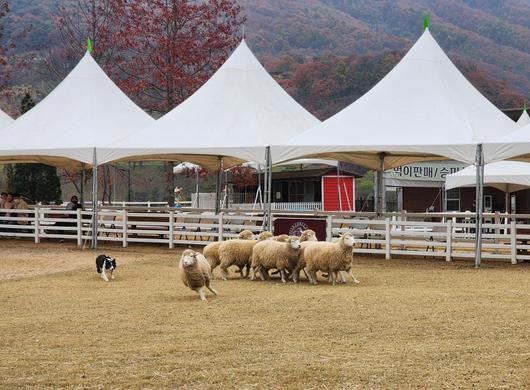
{"x": 507, "y": 176}
{"x": 424, "y": 109}
{"x": 85, "y": 111}
{"x": 5, "y": 120}
{"x": 238, "y": 112}
{"x": 524, "y": 119}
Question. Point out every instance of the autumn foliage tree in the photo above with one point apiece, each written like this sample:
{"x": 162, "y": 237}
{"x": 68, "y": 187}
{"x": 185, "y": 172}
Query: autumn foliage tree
{"x": 168, "y": 48}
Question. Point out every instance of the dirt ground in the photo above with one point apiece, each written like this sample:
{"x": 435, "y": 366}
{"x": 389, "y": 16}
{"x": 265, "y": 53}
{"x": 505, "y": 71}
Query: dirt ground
{"x": 409, "y": 324}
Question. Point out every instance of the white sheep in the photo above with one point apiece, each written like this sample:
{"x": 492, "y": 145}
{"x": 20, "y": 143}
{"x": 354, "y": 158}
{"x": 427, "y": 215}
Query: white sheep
{"x": 195, "y": 272}
{"x": 330, "y": 257}
{"x": 238, "y": 252}
{"x": 281, "y": 238}
{"x": 211, "y": 251}
{"x": 282, "y": 255}
{"x": 307, "y": 238}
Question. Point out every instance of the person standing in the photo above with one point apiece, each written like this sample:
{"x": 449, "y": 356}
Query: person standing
{"x": 20, "y": 204}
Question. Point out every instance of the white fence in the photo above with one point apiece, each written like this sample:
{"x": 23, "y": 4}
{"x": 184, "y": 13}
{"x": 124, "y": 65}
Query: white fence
{"x": 282, "y": 206}
{"x": 445, "y": 236}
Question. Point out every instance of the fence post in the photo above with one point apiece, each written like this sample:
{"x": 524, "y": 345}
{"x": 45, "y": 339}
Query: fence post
{"x": 221, "y": 226}
{"x": 79, "y": 228}
{"x": 497, "y": 230}
{"x": 329, "y": 228}
{"x": 37, "y": 225}
{"x": 125, "y": 228}
{"x": 388, "y": 248}
{"x": 449, "y": 241}
{"x": 513, "y": 241}
{"x": 402, "y": 226}
{"x": 171, "y": 229}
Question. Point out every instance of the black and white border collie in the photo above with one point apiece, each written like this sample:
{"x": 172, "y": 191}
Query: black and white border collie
{"x": 103, "y": 263}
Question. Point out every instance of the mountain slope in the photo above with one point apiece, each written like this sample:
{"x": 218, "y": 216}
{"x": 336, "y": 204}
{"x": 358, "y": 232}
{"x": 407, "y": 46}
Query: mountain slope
{"x": 492, "y": 34}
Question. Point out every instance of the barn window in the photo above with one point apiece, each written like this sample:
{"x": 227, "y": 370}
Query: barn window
{"x": 452, "y": 200}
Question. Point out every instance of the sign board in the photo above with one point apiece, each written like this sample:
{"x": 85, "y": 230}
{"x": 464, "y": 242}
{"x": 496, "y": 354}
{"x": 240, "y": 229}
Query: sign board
{"x": 430, "y": 171}
{"x": 295, "y": 226}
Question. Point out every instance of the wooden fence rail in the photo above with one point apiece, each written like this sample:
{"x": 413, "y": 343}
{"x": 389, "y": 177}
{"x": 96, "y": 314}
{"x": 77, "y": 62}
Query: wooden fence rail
{"x": 438, "y": 235}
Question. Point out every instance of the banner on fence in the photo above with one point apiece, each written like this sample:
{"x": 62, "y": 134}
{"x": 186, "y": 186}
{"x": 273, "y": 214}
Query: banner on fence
{"x": 295, "y": 227}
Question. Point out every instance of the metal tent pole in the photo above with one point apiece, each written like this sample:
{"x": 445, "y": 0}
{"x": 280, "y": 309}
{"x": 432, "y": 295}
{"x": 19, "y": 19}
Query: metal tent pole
{"x": 380, "y": 186}
{"x": 197, "y": 203}
{"x": 129, "y": 182}
{"x": 94, "y": 201}
{"x": 507, "y": 199}
{"x": 82, "y": 185}
{"x": 269, "y": 189}
{"x": 218, "y": 186}
{"x": 479, "y": 164}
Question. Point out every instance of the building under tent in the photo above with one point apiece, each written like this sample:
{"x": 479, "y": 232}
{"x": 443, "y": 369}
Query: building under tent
{"x": 506, "y": 184}
{"x": 420, "y": 187}
{"x": 308, "y": 185}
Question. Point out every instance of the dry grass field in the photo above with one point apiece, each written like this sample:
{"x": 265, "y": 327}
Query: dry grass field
{"x": 409, "y": 324}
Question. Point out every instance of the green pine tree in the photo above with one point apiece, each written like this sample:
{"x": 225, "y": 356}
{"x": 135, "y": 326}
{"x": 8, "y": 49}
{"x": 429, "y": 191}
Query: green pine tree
{"x": 36, "y": 182}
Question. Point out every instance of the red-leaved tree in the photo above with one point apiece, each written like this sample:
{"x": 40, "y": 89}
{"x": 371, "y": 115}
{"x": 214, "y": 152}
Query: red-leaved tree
{"x": 168, "y": 48}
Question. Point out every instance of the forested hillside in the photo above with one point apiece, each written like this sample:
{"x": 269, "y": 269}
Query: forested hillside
{"x": 327, "y": 53}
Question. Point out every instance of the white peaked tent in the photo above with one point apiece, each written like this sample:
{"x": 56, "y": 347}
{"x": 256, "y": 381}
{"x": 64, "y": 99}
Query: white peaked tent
{"x": 507, "y": 176}
{"x": 236, "y": 114}
{"x": 85, "y": 111}
{"x": 424, "y": 109}
{"x": 5, "y": 120}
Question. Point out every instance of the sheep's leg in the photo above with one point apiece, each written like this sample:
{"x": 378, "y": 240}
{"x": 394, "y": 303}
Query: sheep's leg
{"x": 312, "y": 276}
{"x": 341, "y": 278}
{"x": 353, "y": 277}
{"x": 305, "y": 273}
{"x": 201, "y": 294}
{"x": 262, "y": 272}
{"x": 252, "y": 273}
{"x": 295, "y": 275}
{"x": 224, "y": 272}
{"x": 247, "y": 269}
{"x": 210, "y": 287}
{"x": 333, "y": 276}
{"x": 282, "y": 272}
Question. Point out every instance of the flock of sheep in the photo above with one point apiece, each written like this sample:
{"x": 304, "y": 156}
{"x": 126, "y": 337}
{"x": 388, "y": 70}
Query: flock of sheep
{"x": 253, "y": 256}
